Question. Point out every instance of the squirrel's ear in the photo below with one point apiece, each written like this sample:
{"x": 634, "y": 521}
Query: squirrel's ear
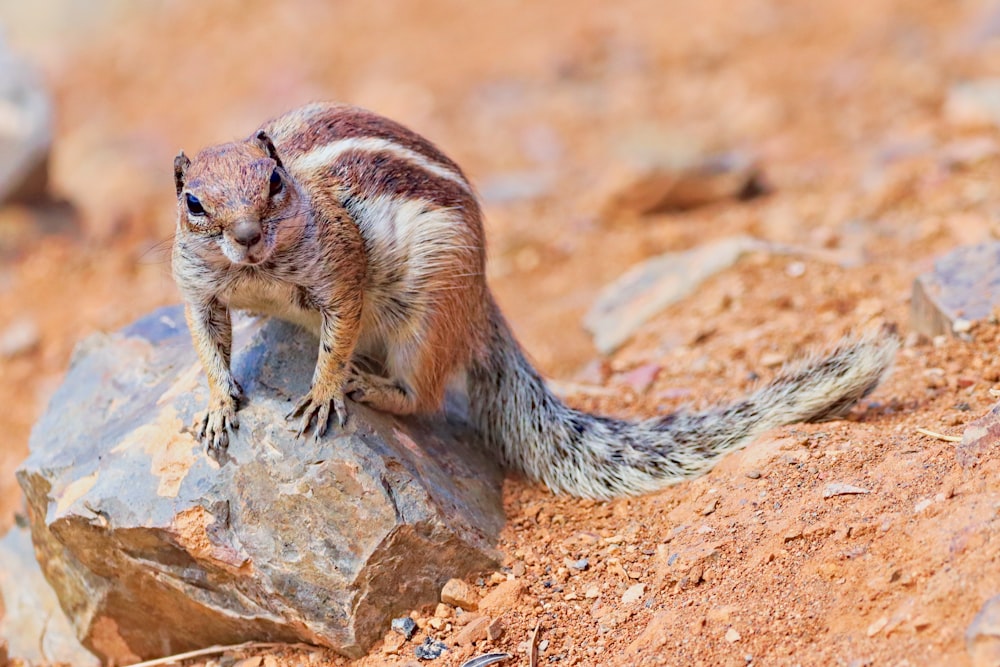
{"x": 265, "y": 142}
{"x": 181, "y": 164}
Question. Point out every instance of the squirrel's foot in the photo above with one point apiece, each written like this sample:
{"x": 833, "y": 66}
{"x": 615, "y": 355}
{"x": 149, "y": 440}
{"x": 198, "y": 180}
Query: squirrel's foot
{"x": 315, "y": 411}
{"x": 213, "y": 429}
{"x": 381, "y": 393}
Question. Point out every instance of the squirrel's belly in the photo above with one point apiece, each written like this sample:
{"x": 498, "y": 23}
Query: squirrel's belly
{"x": 277, "y": 300}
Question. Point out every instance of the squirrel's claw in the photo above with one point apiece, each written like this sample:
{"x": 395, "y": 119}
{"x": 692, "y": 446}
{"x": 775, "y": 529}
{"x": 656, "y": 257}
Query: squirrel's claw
{"x": 213, "y": 429}
{"x": 311, "y": 410}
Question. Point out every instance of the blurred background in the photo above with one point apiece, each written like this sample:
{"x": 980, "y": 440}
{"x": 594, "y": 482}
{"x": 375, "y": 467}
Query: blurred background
{"x": 871, "y": 126}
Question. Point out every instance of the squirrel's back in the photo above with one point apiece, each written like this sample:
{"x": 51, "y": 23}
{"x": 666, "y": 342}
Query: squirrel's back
{"x": 421, "y": 315}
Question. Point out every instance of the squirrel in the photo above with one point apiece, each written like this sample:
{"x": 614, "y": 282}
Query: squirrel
{"x": 359, "y": 229}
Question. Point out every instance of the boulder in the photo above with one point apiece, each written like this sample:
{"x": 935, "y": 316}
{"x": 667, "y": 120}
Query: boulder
{"x": 154, "y": 548}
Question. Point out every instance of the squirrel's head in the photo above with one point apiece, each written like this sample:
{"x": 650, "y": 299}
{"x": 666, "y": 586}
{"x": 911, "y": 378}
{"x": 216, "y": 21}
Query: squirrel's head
{"x": 236, "y": 199}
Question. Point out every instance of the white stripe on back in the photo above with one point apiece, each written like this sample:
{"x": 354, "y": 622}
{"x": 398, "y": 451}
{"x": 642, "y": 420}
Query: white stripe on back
{"x": 323, "y": 156}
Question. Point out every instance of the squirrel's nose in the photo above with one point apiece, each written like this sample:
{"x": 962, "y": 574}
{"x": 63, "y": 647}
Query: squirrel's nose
{"x": 247, "y": 232}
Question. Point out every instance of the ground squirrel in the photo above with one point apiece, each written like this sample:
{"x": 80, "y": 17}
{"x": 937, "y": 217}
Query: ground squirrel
{"x": 361, "y": 230}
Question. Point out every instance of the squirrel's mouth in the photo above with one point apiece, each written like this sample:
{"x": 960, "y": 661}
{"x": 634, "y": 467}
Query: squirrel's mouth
{"x": 252, "y": 259}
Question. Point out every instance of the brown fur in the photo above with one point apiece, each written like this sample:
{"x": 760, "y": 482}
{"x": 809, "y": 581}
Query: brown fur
{"x": 375, "y": 243}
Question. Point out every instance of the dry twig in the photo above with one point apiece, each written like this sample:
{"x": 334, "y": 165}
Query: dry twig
{"x": 939, "y": 436}
{"x": 533, "y": 652}
{"x": 212, "y": 650}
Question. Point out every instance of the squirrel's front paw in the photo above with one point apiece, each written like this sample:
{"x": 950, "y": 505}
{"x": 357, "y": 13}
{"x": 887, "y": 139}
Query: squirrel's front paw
{"x": 213, "y": 430}
{"x": 313, "y": 408}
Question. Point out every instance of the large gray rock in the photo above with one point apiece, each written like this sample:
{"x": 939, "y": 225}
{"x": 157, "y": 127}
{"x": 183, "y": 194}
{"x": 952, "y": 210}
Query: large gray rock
{"x": 153, "y": 548}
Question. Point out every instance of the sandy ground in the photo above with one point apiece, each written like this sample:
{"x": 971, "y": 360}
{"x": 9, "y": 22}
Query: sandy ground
{"x": 545, "y": 105}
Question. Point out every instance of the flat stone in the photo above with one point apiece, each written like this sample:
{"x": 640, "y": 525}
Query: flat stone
{"x": 154, "y": 548}
{"x": 474, "y": 631}
{"x": 504, "y": 596}
{"x": 650, "y": 286}
{"x": 655, "y": 185}
{"x": 460, "y": 594}
{"x": 25, "y": 130}
{"x": 633, "y": 593}
{"x": 841, "y": 489}
{"x": 979, "y": 437}
{"x": 963, "y": 288}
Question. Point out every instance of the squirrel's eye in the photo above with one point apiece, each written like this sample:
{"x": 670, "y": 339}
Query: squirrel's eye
{"x": 194, "y": 206}
{"x": 276, "y": 183}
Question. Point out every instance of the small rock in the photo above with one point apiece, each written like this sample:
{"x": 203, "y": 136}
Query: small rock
{"x": 772, "y": 359}
{"x": 495, "y": 630}
{"x": 979, "y": 437}
{"x": 840, "y": 489}
{"x": 25, "y": 131}
{"x": 581, "y": 564}
{"x": 518, "y": 569}
{"x": 732, "y": 635}
{"x": 961, "y": 326}
{"x": 431, "y": 649}
{"x": 710, "y": 507}
{"x": 474, "y": 632}
{"x": 982, "y": 637}
{"x": 753, "y": 474}
{"x": 19, "y": 337}
{"x": 922, "y": 505}
{"x": 460, "y": 594}
{"x": 721, "y": 614}
{"x": 792, "y": 535}
{"x": 639, "y": 379}
{"x": 634, "y": 593}
{"x": 795, "y": 269}
{"x": 442, "y": 610}
{"x": 659, "y": 188}
{"x": 958, "y": 292}
{"x": 974, "y": 104}
{"x": 592, "y": 593}
{"x": 877, "y": 626}
{"x": 504, "y": 596}
{"x": 393, "y": 642}
{"x": 252, "y": 661}
{"x": 405, "y": 626}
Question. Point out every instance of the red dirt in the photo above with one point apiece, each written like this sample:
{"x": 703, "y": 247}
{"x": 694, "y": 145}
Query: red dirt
{"x": 844, "y": 104}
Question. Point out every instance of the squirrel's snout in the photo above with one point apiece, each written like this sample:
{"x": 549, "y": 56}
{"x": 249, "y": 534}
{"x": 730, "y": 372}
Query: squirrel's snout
{"x": 247, "y": 233}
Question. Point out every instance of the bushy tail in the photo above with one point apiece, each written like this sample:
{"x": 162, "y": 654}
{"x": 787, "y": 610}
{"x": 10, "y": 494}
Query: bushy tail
{"x": 598, "y": 457}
